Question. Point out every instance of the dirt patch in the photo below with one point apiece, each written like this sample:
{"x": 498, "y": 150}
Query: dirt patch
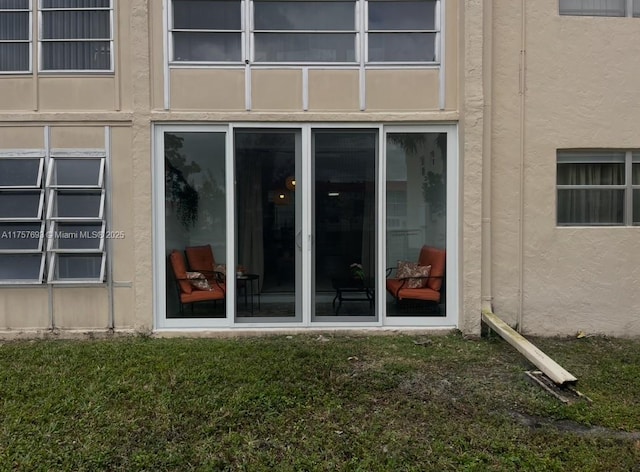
{"x": 535, "y": 422}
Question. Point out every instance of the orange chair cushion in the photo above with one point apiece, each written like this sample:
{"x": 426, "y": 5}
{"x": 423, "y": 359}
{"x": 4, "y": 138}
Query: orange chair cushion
{"x": 437, "y": 259}
{"x": 200, "y": 258}
{"x": 180, "y": 271}
{"x": 426, "y": 293}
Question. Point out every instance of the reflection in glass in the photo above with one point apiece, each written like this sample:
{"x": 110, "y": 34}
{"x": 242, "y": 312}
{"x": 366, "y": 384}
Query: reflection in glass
{"x": 332, "y": 16}
{"x": 402, "y": 15}
{"x": 76, "y": 172}
{"x": 206, "y": 46}
{"x": 305, "y": 47}
{"x": 21, "y": 267}
{"x": 19, "y": 172}
{"x": 20, "y": 235}
{"x": 195, "y": 206}
{"x": 267, "y": 223}
{"x": 398, "y": 47}
{"x": 416, "y": 207}
{"x": 20, "y": 204}
{"x": 345, "y": 223}
{"x": 209, "y": 15}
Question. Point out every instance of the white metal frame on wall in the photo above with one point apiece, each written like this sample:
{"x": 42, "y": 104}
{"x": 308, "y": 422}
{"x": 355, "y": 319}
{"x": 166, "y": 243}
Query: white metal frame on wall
{"x": 359, "y": 63}
{"x": 161, "y": 322}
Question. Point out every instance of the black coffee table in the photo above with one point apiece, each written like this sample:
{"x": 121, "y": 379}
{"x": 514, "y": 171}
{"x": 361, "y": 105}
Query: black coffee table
{"x": 349, "y": 289}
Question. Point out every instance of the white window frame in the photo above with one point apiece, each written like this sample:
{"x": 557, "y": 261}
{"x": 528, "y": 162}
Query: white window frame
{"x": 30, "y": 155}
{"x": 42, "y": 40}
{"x": 356, "y": 32}
{"x": 360, "y": 32}
{"x": 436, "y": 31}
{"x": 29, "y": 40}
{"x": 629, "y": 6}
{"x": 586, "y": 156}
{"x": 241, "y": 31}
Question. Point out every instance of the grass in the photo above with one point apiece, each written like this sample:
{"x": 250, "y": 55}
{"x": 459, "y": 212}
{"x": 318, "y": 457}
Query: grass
{"x": 314, "y": 402}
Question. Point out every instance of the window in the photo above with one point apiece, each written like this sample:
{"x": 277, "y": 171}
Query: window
{"x": 76, "y": 35}
{"x": 207, "y": 31}
{"x": 599, "y": 7}
{"x": 21, "y": 222}
{"x": 598, "y": 188}
{"x": 305, "y": 31}
{"x": 402, "y": 31}
{"x": 73, "y": 228}
{"x": 15, "y": 36}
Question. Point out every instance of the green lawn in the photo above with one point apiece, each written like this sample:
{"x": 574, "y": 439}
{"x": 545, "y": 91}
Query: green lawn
{"x": 314, "y": 402}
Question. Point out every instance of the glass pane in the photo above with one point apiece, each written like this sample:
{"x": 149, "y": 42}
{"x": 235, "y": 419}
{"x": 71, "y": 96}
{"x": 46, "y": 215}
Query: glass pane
{"x": 92, "y": 24}
{"x": 267, "y": 223}
{"x": 636, "y": 207}
{"x": 77, "y": 236}
{"x": 635, "y": 173}
{"x": 336, "y": 16}
{"x": 75, "y": 3}
{"x": 14, "y": 57}
{"x": 590, "y": 207}
{"x": 77, "y": 204}
{"x": 591, "y": 174}
{"x": 14, "y": 25}
{"x": 78, "y": 172}
{"x": 212, "y": 15}
{"x": 20, "y": 235}
{"x": 19, "y": 172}
{"x": 402, "y": 15}
{"x": 345, "y": 224}
{"x": 90, "y": 55}
{"x": 410, "y": 47}
{"x": 20, "y": 204}
{"x": 416, "y": 217}
{"x": 14, "y": 4}
{"x": 78, "y": 266}
{"x": 636, "y": 8}
{"x": 20, "y": 267}
{"x": 305, "y": 47}
{"x": 593, "y": 7}
{"x": 195, "y": 209}
{"x": 206, "y": 47}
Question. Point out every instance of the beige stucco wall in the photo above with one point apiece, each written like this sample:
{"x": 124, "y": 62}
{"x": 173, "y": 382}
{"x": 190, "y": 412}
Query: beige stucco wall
{"x": 581, "y": 91}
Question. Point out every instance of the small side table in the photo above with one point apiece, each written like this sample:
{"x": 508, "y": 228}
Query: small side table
{"x": 349, "y": 289}
{"x": 246, "y": 281}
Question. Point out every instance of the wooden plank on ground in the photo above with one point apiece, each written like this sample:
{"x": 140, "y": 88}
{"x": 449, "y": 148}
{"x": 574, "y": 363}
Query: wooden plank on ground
{"x": 543, "y": 362}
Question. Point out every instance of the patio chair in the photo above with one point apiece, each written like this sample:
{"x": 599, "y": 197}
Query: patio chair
{"x": 417, "y": 287}
{"x": 191, "y": 286}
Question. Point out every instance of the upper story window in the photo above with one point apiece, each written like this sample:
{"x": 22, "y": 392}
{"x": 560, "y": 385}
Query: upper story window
{"x": 600, "y": 7}
{"x": 73, "y": 35}
{"x": 76, "y": 35}
{"x": 15, "y": 36}
{"x": 305, "y": 31}
{"x": 597, "y": 188}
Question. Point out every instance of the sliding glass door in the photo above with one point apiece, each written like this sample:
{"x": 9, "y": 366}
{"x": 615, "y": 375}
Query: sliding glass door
{"x": 302, "y": 225}
{"x": 268, "y": 225}
{"x": 344, "y": 225}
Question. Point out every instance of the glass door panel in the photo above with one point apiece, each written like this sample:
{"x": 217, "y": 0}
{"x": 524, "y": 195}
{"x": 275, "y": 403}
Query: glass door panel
{"x": 268, "y": 225}
{"x": 344, "y": 225}
{"x": 416, "y": 223}
{"x": 195, "y": 223}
